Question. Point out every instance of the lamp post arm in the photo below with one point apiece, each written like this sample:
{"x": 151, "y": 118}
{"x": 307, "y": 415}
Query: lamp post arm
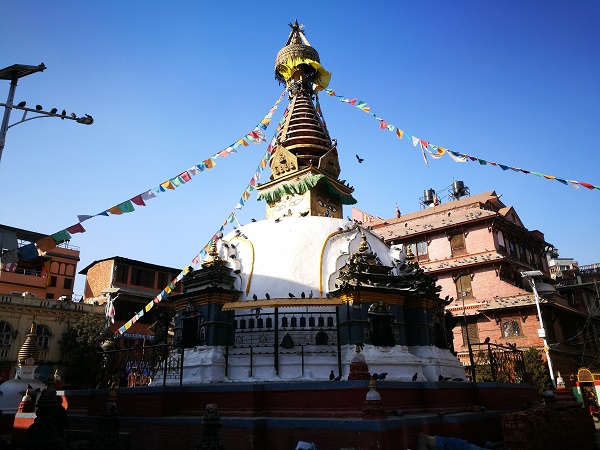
{"x": 546, "y": 348}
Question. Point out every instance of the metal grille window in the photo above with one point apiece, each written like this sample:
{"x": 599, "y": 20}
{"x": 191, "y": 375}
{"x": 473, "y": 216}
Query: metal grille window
{"x": 511, "y": 328}
{"x": 473, "y": 333}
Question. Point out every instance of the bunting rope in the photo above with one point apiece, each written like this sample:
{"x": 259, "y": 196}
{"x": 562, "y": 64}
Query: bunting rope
{"x": 30, "y": 251}
{"x": 437, "y": 152}
{"x": 218, "y": 235}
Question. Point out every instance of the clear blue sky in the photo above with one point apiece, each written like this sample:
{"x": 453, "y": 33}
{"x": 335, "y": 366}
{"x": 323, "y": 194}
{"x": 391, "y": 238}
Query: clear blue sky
{"x": 171, "y": 83}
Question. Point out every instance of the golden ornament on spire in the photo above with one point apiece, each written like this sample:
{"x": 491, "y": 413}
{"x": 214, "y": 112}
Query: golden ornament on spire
{"x": 28, "y": 354}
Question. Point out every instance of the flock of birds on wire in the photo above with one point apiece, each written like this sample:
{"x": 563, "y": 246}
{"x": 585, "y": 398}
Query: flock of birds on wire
{"x": 54, "y": 111}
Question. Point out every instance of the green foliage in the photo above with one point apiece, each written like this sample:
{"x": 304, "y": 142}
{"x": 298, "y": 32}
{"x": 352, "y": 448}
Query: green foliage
{"x": 79, "y": 346}
{"x": 537, "y": 369}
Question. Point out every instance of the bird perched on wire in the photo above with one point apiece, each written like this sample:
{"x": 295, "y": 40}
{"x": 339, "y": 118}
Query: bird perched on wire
{"x": 38, "y": 107}
{"x": 303, "y": 295}
{"x": 487, "y": 340}
{"x": 53, "y": 111}
{"x": 63, "y": 114}
{"x": 267, "y": 296}
{"x": 359, "y": 159}
{"x": 254, "y": 297}
{"x": 291, "y": 295}
{"x": 21, "y": 104}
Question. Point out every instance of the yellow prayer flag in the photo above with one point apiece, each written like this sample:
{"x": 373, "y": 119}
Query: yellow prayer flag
{"x": 399, "y": 133}
{"x": 115, "y": 210}
{"x": 167, "y": 185}
{"x": 209, "y": 163}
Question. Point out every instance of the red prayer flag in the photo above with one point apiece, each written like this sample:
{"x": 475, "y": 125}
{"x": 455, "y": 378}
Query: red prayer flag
{"x": 352, "y": 102}
{"x": 185, "y": 176}
{"x": 138, "y": 200}
{"x": 383, "y": 125}
{"x": 586, "y": 185}
{"x": 77, "y": 228}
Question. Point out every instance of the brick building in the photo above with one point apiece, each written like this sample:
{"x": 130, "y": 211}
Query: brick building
{"x": 36, "y": 287}
{"x": 478, "y": 247}
{"x": 130, "y": 285}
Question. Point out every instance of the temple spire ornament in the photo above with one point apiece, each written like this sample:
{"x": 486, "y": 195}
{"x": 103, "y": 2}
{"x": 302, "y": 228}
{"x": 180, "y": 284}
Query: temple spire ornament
{"x": 305, "y": 165}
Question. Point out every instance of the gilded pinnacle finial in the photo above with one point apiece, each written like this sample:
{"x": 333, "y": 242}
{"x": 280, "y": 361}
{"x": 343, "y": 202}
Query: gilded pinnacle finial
{"x": 364, "y": 246}
{"x": 409, "y": 254}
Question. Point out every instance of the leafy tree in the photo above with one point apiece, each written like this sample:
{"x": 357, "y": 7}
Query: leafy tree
{"x": 79, "y": 346}
{"x": 537, "y": 369}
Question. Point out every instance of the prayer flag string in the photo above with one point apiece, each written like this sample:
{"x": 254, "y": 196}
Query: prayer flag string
{"x": 436, "y": 152}
{"x": 256, "y": 136}
{"x": 204, "y": 251}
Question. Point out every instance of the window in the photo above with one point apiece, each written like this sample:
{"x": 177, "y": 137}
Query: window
{"x": 142, "y": 277}
{"x": 463, "y": 286}
{"x": 42, "y": 333}
{"x": 472, "y": 331}
{"x": 511, "y": 328}
{"x": 162, "y": 280}
{"x": 52, "y": 281}
{"x": 68, "y": 283}
{"x": 5, "y": 334}
{"x": 457, "y": 244}
{"x": 50, "y": 296}
{"x": 122, "y": 274}
{"x": 501, "y": 243}
{"x": 419, "y": 250}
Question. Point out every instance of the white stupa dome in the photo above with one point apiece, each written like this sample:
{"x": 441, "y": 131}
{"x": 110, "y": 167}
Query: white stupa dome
{"x": 295, "y": 255}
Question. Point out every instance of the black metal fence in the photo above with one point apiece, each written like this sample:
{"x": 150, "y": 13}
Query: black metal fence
{"x": 140, "y": 366}
{"x": 494, "y": 362}
{"x": 293, "y": 333}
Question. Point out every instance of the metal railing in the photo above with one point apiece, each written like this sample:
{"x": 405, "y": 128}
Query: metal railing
{"x": 498, "y": 363}
{"x": 140, "y": 366}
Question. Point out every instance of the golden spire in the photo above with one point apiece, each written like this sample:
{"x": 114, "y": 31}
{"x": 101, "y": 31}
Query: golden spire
{"x": 28, "y": 354}
{"x": 364, "y": 246}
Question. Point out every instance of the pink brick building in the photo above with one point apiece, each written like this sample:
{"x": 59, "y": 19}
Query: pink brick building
{"x": 478, "y": 247}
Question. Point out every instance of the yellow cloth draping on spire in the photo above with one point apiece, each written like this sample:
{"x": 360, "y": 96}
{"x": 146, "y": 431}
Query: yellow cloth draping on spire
{"x": 287, "y": 69}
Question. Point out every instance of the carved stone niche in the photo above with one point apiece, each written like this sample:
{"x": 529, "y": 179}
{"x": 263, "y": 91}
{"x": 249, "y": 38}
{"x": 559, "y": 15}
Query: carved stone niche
{"x": 283, "y": 162}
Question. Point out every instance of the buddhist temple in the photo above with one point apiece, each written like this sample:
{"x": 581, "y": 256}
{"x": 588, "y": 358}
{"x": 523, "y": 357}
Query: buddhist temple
{"x": 290, "y": 296}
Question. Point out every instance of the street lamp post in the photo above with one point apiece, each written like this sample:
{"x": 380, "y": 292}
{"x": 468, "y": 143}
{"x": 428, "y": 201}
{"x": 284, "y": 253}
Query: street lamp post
{"x": 541, "y": 331}
{"x": 13, "y": 73}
